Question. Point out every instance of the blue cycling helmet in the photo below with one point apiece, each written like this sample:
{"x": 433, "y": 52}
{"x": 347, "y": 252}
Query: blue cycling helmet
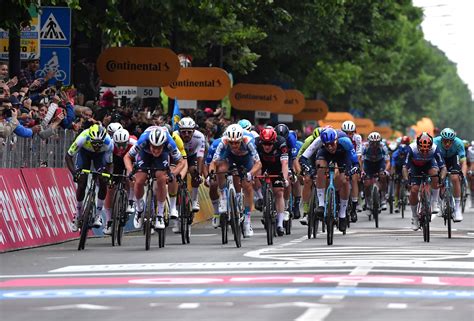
{"x": 245, "y": 124}
{"x": 328, "y": 135}
{"x": 448, "y": 134}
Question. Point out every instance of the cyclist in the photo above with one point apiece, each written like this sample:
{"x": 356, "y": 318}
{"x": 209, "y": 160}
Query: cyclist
{"x": 247, "y": 125}
{"x": 376, "y": 161}
{"x": 112, "y": 128}
{"x": 93, "y": 145}
{"x": 470, "y": 159}
{"x": 454, "y": 156}
{"x": 396, "y": 164}
{"x": 195, "y": 145}
{"x": 123, "y": 142}
{"x": 153, "y": 149}
{"x": 423, "y": 157}
{"x": 337, "y": 147}
{"x": 237, "y": 149}
{"x": 349, "y": 128}
{"x": 296, "y": 189}
{"x": 273, "y": 154}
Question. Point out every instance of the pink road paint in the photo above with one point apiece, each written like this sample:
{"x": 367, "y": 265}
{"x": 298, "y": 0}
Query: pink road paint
{"x": 242, "y": 279}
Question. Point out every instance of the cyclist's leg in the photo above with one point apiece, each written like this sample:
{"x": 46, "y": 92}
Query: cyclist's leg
{"x": 296, "y": 190}
{"x": 343, "y": 185}
{"x": 83, "y": 161}
{"x": 143, "y": 160}
{"x": 322, "y": 159}
{"x": 221, "y": 167}
{"x": 452, "y": 163}
{"x": 433, "y": 170}
{"x": 195, "y": 181}
{"x": 160, "y": 187}
{"x": 100, "y": 165}
{"x": 413, "y": 198}
{"x": 279, "y": 200}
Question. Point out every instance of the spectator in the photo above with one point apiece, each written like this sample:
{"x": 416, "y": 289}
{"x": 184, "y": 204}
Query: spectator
{"x": 28, "y": 77}
{"x": 8, "y": 120}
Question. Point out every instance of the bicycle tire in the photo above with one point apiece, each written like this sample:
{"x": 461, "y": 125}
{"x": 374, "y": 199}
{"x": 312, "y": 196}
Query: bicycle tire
{"x": 123, "y": 216}
{"x": 448, "y": 218}
{"x": 390, "y": 195}
{"x": 375, "y": 204}
{"x": 86, "y": 215}
{"x": 330, "y": 217}
{"x": 267, "y": 215}
{"x": 224, "y": 227}
{"x": 115, "y": 216}
{"x": 189, "y": 212}
{"x": 288, "y": 225}
{"x": 426, "y": 216}
{"x": 463, "y": 196}
{"x": 182, "y": 214}
{"x": 312, "y": 213}
{"x": 235, "y": 219}
{"x": 147, "y": 219}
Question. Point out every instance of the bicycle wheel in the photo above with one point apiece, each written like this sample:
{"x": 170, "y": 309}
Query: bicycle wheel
{"x": 162, "y": 232}
{"x": 390, "y": 195}
{"x": 123, "y": 218}
{"x": 312, "y": 214}
{"x": 86, "y": 216}
{"x": 182, "y": 214}
{"x": 448, "y": 212}
{"x": 235, "y": 218}
{"x": 330, "y": 217}
{"x": 224, "y": 227}
{"x": 426, "y": 216}
{"x": 375, "y": 204}
{"x": 115, "y": 215}
{"x": 147, "y": 219}
{"x": 189, "y": 213}
{"x": 267, "y": 215}
{"x": 463, "y": 195}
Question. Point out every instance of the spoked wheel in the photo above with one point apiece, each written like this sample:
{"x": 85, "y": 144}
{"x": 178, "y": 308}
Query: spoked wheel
{"x": 166, "y": 219}
{"x": 115, "y": 216}
{"x": 235, "y": 219}
{"x": 267, "y": 216}
{"x": 86, "y": 217}
{"x": 147, "y": 220}
{"x": 312, "y": 215}
{"x": 426, "y": 217}
{"x": 448, "y": 218}
{"x": 224, "y": 227}
{"x": 376, "y": 205}
{"x": 330, "y": 210}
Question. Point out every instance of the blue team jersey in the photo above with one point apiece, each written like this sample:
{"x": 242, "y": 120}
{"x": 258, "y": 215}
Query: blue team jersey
{"x": 399, "y": 156}
{"x": 212, "y": 150}
{"x": 374, "y": 154}
{"x": 143, "y": 145}
{"x": 457, "y": 148}
{"x": 346, "y": 143}
{"x": 420, "y": 159}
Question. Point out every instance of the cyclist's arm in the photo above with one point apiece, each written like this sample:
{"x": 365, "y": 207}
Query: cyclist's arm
{"x": 128, "y": 161}
{"x": 284, "y": 162}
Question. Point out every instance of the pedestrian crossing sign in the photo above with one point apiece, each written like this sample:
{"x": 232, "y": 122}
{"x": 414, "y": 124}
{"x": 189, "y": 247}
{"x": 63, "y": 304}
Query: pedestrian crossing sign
{"x": 55, "y": 26}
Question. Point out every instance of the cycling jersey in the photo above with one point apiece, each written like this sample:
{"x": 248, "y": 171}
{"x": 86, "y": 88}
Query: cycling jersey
{"x": 179, "y": 144}
{"x": 433, "y": 157}
{"x": 143, "y": 146}
{"x": 271, "y": 162}
{"x": 212, "y": 151}
{"x": 307, "y": 142}
{"x": 247, "y": 147}
{"x": 84, "y": 142}
{"x": 357, "y": 143}
{"x": 120, "y": 152}
{"x": 399, "y": 156}
{"x": 456, "y": 148}
{"x": 374, "y": 154}
{"x": 316, "y": 144}
{"x": 344, "y": 156}
{"x": 196, "y": 145}
{"x": 470, "y": 154}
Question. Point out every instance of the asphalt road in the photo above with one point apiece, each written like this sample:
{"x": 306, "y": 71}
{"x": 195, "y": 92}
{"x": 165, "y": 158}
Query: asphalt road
{"x": 387, "y": 273}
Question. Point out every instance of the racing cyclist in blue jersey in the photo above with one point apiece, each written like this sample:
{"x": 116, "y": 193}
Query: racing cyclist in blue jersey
{"x": 423, "y": 157}
{"x": 396, "y": 165}
{"x": 296, "y": 186}
{"x": 454, "y": 155}
{"x": 153, "y": 150}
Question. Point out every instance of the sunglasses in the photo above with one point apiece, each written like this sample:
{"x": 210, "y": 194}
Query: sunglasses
{"x": 121, "y": 145}
{"x": 186, "y": 132}
{"x": 234, "y": 143}
{"x": 97, "y": 144}
{"x": 330, "y": 144}
{"x": 267, "y": 144}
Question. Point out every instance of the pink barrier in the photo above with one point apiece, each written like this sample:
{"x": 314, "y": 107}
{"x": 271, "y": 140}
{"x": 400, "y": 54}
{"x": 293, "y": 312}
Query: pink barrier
{"x": 36, "y": 207}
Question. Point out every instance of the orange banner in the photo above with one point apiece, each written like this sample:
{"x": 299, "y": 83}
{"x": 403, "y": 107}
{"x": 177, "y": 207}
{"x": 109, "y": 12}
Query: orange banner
{"x": 294, "y": 102}
{"x": 384, "y": 131}
{"x": 364, "y": 126}
{"x": 199, "y": 83}
{"x": 313, "y": 110}
{"x": 138, "y": 66}
{"x": 335, "y": 119}
{"x": 257, "y": 97}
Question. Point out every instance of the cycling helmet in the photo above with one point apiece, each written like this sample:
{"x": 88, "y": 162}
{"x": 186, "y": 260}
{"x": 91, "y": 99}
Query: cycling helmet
{"x": 157, "y": 137}
{"x": 186, "y": 123}
{"x": 472, "y": 143}
{"x": 374, "y": 137}
{"x": 424, "y": 142}
{"x": 466, "y": 143}
{"x": 245, "y": 124}
{"x": 97, "y": 133}
{"x": 282, "y": 130}
{"x": 268, "y": 135}
{"x": 121, "y": 136}
{"x": 405, "y": 140}
{"x": 234, "y": 133}
{"x": 328, "y": 135}
{"x": 348, "y": 126}
{"x": 113, "y": 127}
{"x": 448, "y": 134}
{"x": 316, "y": 132}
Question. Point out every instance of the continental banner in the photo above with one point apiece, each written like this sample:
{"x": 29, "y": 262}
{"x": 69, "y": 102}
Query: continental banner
{"x": 257, "y": 97}
{"x": 364, "y": 126}
{"x": 313, "y": 110}
{"x": 294, "y": 102}
{"x": 199, "y": 83}
{"x": 138, "y": 66}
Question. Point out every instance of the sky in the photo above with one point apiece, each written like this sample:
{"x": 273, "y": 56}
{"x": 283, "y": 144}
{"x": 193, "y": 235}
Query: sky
{"x": 449, "y": 25}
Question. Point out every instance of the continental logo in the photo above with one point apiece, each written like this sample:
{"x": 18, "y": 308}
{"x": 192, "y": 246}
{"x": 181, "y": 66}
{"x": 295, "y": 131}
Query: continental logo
{"x": 195, "y": 83}
{"x": 240, "y": 96}
{"x": 113, "y": 65}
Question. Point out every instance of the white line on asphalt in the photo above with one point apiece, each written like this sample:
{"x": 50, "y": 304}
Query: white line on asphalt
{"x": 398, "y": 306}
{"x": 358, "y": 271}
{"x": 189, "y": 305}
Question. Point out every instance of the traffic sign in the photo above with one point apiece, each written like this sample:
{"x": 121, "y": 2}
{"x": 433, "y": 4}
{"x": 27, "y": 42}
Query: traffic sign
{"x": 57, "y": 59}
{"x": 55, "y": 26}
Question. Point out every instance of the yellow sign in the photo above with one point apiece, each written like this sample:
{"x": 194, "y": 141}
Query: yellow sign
{"x": 364, "y": 126}
{"x": 335, "y": 119}
{"x": 294, "y": 102}
{"x": 313, "y": 110}
{"x": 199, "y": 83}
{"x": 29, "y": 40}
{"x": 257, "y": 97}
{"x": 138, "y": 66}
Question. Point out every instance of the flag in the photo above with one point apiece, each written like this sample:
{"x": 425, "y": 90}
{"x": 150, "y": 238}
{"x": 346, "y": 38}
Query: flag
{"x": 176, "y": 115}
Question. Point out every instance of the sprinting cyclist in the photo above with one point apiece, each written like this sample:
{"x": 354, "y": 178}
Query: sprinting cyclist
{"x": 470, "y": 159}
{"x": 423, "y": 157}
{"x": 247, "y": 125}
{"x": 396, "y": 165}
{"x": 92, "y": 146}
{"x": 454, "y": 156}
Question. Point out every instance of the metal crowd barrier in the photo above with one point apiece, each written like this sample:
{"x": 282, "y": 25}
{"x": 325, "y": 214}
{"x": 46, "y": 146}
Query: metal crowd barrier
{"x": 16, "y": 152}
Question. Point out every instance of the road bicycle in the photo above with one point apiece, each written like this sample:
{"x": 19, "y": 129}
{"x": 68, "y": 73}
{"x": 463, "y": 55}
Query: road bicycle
{"x": 448, "y": 204}
{"x": 402, "y": 195}
{"x": 269, "y": 211}
{"x": 185, "y": 211}
{"x": 391, "y": 193}
{"x": 119, "y": 209}
{"x": 464, "y": 191}
{"x": 424, "y": 204}
{"x": 373, "y": 199}
{"x": 86, "y": 220}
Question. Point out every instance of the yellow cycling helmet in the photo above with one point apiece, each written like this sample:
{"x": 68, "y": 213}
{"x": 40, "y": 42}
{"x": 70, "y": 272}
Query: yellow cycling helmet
{"x": 97, "y": 133}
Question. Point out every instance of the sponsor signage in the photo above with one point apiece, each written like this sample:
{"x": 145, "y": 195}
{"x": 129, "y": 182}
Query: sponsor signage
{"x": 313, "y": 110}
{"x": 199, "y": 83}
{"x": 257, "y": 97}
{"x": 294, "y": 102}
{"x": 335, "y": 119}
{"x": 119, "y": 91}
{"x": 364, "y": 126}
{"x": 138, "y": 66}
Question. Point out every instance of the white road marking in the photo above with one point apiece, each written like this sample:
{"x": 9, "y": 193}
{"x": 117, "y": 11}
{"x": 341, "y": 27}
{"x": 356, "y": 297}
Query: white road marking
{"x": 189, "y": 305}
{"x": 79, "y": 306}
{"x": 398, "y": 306}
{"x": 315, "y": 314}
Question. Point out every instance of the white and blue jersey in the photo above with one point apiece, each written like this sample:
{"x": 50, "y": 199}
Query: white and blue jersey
{"x": 246, "y": 155}
{"x": 375, "y": 154}
{"x": 433, "y": 158}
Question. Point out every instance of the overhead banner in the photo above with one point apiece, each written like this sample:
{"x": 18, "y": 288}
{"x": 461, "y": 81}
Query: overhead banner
{"x": 199, "y": 83}
{"x": 364, "y": 126}
{"x": 257, "y": 97}
{"x": 138, "y": 66}
{"x": 313, "y": 110}
{"x": 294, "y": 102}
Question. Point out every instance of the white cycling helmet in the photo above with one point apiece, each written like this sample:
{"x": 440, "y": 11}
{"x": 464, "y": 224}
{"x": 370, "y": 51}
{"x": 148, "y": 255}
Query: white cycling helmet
{"x": 234, "y": 133}
{"x": 472, "y": 143}
{"x": 348, "y": 126}
{"x": 158, "y": 137}
{"x": 374, "y": 137}
{"x": 187, "y": 123}
{"x": 121, "y": 136}
{"x": 113, "y": 127}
